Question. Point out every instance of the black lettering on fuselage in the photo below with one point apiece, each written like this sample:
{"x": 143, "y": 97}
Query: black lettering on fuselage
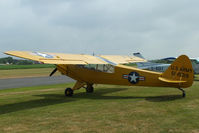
{"x": 188, "y": 70}
{"x": 173, "y": 73}
{"x": 175, "y": 68}
{"x": 183, "y": 75}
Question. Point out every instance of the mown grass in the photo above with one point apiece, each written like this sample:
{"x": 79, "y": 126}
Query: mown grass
{"x": 8, "y": 67}
{"x": 110, "y": 109}
{"x": 21, "y": 73}
{"x": 196, "y": 77}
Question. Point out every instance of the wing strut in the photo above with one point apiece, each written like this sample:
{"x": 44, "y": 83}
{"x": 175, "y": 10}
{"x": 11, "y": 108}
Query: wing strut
{"x": 53, "y": 72}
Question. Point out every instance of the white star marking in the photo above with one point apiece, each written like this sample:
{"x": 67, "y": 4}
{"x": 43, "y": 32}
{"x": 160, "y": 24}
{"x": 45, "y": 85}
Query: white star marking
{"x": 133, "y": 77}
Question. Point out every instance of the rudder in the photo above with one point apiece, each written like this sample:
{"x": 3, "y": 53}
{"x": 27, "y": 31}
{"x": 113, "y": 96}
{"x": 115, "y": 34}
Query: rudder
{"x": 180, "y": 72}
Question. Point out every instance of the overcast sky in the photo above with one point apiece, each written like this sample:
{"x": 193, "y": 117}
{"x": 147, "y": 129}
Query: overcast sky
{"x": 156, "y": 28}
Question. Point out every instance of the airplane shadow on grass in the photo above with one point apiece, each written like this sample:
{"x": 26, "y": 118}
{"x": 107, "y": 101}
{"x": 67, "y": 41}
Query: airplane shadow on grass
{"x": 53, "y": 99}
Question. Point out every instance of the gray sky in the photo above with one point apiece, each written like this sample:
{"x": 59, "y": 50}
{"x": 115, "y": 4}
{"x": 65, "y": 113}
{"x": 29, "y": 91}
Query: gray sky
{"x": 157, "y": 28}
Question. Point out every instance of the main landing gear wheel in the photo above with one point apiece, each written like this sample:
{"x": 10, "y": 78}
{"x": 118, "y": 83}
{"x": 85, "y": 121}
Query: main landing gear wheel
{"x": 183, "y": 92}
{"x": 68, "y": 92}
{"x": 89, "y": 89}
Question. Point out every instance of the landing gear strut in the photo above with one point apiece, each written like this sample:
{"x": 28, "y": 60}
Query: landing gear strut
{"x": 89, "y": 88}
{"x": 183, "y": 92}
{"x": 68, "y": 92}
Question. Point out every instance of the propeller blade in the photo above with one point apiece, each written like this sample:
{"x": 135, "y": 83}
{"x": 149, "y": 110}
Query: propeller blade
{"x": 53, "y": 72}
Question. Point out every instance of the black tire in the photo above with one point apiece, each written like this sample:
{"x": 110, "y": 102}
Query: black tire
{"x": 183, "y": 94}
{"x": 89, "y": 89}
{"x": 68, "y": 92}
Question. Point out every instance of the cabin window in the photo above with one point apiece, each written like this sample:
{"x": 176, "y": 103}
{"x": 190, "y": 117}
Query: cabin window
{"x": 99, "y": 67}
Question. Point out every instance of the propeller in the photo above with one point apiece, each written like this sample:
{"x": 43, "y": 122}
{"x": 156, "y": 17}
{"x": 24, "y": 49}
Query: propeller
{"x": 53, "y": 72}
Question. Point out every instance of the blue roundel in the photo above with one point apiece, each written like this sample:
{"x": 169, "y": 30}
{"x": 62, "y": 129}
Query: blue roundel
{"x": 133, "y": 77}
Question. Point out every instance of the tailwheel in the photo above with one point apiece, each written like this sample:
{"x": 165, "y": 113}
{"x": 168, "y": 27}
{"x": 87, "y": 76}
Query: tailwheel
{"x": 89, "y": 89}
{"x": 68, "y": 92}
{"x": 183, "y": 92}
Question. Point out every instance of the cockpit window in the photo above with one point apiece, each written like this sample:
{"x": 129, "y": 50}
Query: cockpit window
{"x": 99, "y": 67}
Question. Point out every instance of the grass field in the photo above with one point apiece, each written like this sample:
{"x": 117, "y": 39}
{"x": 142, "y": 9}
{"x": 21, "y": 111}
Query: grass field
{"x": 196, "y": 77}
{"x": 110, "y": 109}
{"x": 9, "y": 67}
{"x": 21, "y": 73}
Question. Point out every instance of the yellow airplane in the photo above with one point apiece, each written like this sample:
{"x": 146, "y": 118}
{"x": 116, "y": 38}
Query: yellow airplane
{"x": 110, "y": 69}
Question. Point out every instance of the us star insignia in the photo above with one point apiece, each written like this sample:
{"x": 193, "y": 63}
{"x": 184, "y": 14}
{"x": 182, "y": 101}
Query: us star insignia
{"x": 133, "y": 77}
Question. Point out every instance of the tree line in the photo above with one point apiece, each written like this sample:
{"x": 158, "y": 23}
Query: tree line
{"x": 10, "y": 60}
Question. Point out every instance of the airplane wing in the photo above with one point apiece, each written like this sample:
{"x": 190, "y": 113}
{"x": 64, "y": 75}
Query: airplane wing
{"x": 59, "y": 58}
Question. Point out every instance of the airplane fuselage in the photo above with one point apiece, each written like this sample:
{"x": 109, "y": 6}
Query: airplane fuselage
{"x": 122, "y": 75}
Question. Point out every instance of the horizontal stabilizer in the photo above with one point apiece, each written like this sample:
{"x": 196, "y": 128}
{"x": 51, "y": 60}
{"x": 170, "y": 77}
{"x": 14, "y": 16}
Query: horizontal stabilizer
{"x": 171, "y": 81}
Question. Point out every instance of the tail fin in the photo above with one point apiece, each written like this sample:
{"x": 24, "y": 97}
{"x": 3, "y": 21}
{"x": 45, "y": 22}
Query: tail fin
{"x": 141, "y": 65}
{"x": 138, "y": 55}
{"x": 180, "y": 72}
